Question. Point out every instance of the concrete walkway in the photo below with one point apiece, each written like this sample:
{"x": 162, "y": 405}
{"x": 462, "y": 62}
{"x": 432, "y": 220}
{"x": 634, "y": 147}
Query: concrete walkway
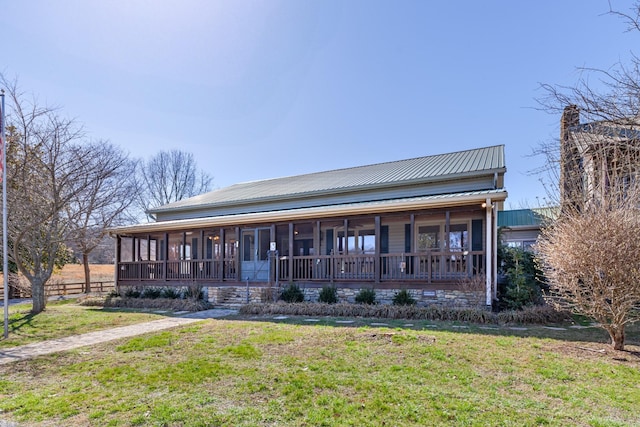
{"x": 29, "y": 351}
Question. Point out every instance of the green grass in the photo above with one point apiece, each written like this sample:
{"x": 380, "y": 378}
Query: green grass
{"x": 251, "y": 373}
{"x": 65, "y": 318}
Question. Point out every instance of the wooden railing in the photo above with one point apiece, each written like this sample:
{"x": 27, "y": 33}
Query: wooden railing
{"x": 423, "y": 266}
{"x": 393, "y": 267}
{"x": 204, "y": 269}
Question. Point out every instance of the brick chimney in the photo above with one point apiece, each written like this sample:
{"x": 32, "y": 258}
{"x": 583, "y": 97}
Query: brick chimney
{"x": 570, "y": 160}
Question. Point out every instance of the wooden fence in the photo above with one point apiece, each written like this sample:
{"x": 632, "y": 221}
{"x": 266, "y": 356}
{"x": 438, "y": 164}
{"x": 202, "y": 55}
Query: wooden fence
{"x": 60, "y": 289}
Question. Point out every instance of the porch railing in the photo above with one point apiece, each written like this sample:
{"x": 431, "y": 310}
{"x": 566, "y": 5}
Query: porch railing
{"x": 423, "y": 266}
{"x": 393, "y": 267}
{"x": 188, "y": 270}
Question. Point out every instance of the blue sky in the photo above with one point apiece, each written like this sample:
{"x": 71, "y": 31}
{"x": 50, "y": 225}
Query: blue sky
{"x": 262, "y": 89}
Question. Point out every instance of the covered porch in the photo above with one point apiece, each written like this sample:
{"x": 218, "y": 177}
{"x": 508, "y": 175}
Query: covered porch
{"x": 442, "y": 248}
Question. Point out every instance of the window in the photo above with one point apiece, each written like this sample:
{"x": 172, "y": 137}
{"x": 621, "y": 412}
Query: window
{"x": 458, "y": 237}
{"x": 428, "y": 238}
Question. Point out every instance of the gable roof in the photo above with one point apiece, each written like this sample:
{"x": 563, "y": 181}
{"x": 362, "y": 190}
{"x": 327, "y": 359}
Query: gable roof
{"x": 441, "y": 167}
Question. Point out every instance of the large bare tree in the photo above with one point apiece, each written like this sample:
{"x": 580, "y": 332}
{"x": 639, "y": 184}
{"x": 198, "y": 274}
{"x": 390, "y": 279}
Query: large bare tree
{"x": 44, "y": 170}
{"x": 590, "y": 253}
{"x": 168, "y": 177}
{"x": 106, "y": 190}
{"x": 59, "y": 188}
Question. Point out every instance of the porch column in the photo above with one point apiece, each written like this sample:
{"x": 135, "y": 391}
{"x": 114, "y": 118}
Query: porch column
{"x": 291, "y": 235}
{"x": 117, "y": 269}
{"x": 238, "y": 255}
{"x": 447, "y": 230}
{"x": 489, "y": 256}
{"x": 271, "y": 259}
{"x": 345, "y": 249}
{"x": 376, "y": 260}
{"x": 222, "y": 254}
{"x": 165, "y": 255}
{"x": 495, "y": 254}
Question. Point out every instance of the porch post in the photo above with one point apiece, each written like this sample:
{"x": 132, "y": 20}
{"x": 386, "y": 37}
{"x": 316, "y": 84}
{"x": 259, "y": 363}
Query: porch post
{"x": 165, "y": 255}
{"x": 291, "y": 231}
{"x": 489, "y": 253}
{"x": 495, "y": 254}
{"x": 117, "y": 269}
{"x": 345, "y": 249}
{"x": 270, "y": 257}
{"x": 238, "y": 255}
{"x": 377, "y": 260}
{"x": 222, "y": 256}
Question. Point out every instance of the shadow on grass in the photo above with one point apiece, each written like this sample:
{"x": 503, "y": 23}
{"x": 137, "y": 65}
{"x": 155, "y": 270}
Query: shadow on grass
{"x": 576, "y": 331}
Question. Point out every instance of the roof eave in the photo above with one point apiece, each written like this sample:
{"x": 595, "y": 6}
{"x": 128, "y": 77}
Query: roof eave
{"x": 315, "y": 212}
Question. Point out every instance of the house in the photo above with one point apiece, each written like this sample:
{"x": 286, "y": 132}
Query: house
{"x": 599, "y": 161}
{"x": 520, "y": 228}
{"x": 427, "y": 225}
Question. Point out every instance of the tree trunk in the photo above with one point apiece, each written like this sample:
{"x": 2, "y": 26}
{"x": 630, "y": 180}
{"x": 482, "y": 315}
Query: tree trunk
{"x": 38, "y": 296}
{"x": 617, "y": 337}
{"x": 87, "y": 273}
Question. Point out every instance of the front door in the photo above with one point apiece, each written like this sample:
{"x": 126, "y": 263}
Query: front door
{"x": 255, "y": 254}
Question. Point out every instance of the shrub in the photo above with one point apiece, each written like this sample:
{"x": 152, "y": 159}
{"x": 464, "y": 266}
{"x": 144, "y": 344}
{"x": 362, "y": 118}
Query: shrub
{"x": 151, "y": 293}
{"x": 523, "y": 281}
{"x": 292, "y": 293}
{"x": 132, "y": 292}
{"x": 171, "y": 293}
{"x": 328, "y": 294}
{"x": 194, "y": 292}
{"x": 403, "y": 297}
{"x": 366, "y": 296}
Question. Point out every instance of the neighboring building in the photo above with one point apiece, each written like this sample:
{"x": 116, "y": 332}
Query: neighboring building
{"x": 426, "y": 224}
{"x": 520, "y": 228}
{"x": 597, "y": 160}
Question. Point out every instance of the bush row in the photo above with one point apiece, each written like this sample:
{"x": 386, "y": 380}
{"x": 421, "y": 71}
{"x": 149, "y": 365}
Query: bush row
{"x": 528, "y": 315}
{"x": 173, "y": 304}
{"x": 329, "y": 295}
{"x": 191, "y": 292}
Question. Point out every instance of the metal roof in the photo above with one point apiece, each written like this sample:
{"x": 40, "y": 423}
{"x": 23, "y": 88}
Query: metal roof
{"x": 377, "y": 207}
{"x": 434, "y": 168}
{"x": 525, "y": 217}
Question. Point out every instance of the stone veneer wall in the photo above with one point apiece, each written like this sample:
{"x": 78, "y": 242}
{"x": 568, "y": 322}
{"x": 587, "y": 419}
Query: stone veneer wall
{"x": 236, "y": 296}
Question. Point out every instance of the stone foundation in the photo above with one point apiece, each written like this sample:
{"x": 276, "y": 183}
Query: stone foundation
{"x": 236, "y": 296}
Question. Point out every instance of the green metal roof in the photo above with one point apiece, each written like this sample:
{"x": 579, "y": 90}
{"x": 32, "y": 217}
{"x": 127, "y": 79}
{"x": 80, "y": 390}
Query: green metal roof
{"x": 441, "y": 167}
{"x": 525, "y": 217}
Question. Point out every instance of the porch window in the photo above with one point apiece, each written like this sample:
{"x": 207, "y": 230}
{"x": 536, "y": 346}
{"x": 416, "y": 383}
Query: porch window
{"x": 458, "y": 237}
{"x": 176, "y": 247}
{"x": 248, "y": 245}
{"x": 428, "y": 238}
{"x": 303, "y": 239}
{"x": 367, "y": 241}
{"x": 212, "y": 245}
{"x": 358, "y": 241}
{"x": 126, "y": 249}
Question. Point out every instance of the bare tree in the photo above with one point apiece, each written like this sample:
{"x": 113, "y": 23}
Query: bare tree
{"x": 169, "y": 177}
{"x": 105, "y": 193}
{"x": 588, "y": 253}
{"x": 44, "y": 169}
{"x": 60, "y": 189}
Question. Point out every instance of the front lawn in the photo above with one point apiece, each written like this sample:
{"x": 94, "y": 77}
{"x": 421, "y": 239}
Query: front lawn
{"x": 65, "y": 318}
{"x": 267, "y": 373}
